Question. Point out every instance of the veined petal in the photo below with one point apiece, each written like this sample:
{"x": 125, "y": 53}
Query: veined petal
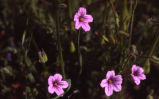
{"x": 63, "y": 84}
{"x": 141, "y": 70}
{"x": 51, "y": 89}
{"x": 136, "y": 80}
{"x": 85, "y": 26}
{"x": 58, "y": 77}
{"x": 88, "y": 18}
{"x": 117, "y": 88}
{"x": 76, "y": 17}
{"x": 109, "y": 90}
{"x": 133, "y": 69}
{"x": 117, "y": 80}
{"x": 103, "y": 83}
{"x": 58, "y": 90}
{"x": 77, "y": 25}
{"x": 110, "y": 74}
{"x": 142, "y": 77}
{"x": 51, "y": 79}
{"x": 82, "y": 11}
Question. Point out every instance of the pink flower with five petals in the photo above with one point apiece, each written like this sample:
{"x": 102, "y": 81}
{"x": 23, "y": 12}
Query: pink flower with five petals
{"x": 82, "y": 19}
{"x": 137, "y": 74}
{"x": 112, "y": 82}
{"x": 56, "y": 84}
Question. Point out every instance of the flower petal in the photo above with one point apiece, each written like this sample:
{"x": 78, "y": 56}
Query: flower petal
{"x": 77, "y": 25}
{"x": 117, "y": 88}
{"x": 133, "y": 69}
{"x": 140, "y": 69}
{"x": 51, "y": 80}
{"x": 109, "y": 90}
{"x": 76, "y": 17}
{"x": 82, "y": 11}
{"x": 58, "y": 77}
{"x": 85, "y": 26}
{"x": 51, "y": 89}
{"x": 88, "y": 18}
{"x": 142, "y": 77}
{"x": 136, "y": 80}
{"x": 63, "y": 84}
{"x": 103, "y": 83}
{"x": 58, "y": 90}
{"x": 110, "y": 74}
{"x": 117, "y": 80}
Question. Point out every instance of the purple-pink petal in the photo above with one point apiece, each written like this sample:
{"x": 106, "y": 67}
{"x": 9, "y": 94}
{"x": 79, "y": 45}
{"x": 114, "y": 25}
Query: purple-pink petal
{"x": 109, "y": 90}
{"x": 77, "y": 25}
{"x": 110, "y": 74}
{"x": 82, "y": 11}
{"x": 76, "y": 17}
{"x": 85, "y": 26}
{"x": 103, "y": 83}
{"x": 117, "y": 80}
{"x": 141, "y": 70}
{"x": 58, "y": 90}
{"x": 88, "y": 18}
{"x": 142, "y": 77}
{"x": 134, "y": 68}
{"x": 51, "y": 89}
{"x": 63, "y": 84}
{"x": 51, "y": 80}
{"x": 137, "y": 80}
{"x": 117, "y": 88}
{"x": 58, "y": 77}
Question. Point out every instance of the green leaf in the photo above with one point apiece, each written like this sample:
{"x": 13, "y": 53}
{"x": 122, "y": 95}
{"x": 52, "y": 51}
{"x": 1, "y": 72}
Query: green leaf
{"x": 72, "y": 47}
{"x": 147, "y": 66}
{"x": 105, "y": 38}
{"x": 155, "y": 59}
{"x": 23, "y": 37}
{"x": 31, "y": 77}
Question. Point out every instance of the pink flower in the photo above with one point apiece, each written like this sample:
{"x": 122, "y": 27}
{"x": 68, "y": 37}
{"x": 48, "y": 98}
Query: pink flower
{"x": 137, "y": 74}
{"x": 111, "y": 83}
{"x": 56, "y": 84}
{"x": 82, "y": 19}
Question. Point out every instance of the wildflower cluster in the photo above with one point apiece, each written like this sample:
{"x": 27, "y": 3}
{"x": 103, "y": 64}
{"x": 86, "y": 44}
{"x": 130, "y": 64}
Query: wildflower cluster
{"x": 113, "y": 82}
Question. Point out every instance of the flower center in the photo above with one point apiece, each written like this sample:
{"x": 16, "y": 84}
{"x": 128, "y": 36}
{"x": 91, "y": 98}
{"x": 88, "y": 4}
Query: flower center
{"x": 136, "y": 73}
{"x": 81, "y": 19}
{"x": 110, "y": 81}
{"x": 55, "y": 84}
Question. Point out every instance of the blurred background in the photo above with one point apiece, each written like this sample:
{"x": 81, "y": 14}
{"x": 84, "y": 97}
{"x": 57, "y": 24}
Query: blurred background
{"x": 124, "y": 32}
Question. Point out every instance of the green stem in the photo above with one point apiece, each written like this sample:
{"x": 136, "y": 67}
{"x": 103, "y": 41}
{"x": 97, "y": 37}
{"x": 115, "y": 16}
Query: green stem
{"x": 104, "y": 19}
{"x": 132, "y": 21}
{"x": 59, "y": 44}
{"x": 79, "y": 53}
{"x": 70, "y": 15}
{"x": 147, "y": 62}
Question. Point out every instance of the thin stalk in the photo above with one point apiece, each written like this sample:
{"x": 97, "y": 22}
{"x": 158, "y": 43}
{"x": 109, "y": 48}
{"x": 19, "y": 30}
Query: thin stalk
{"x": 115, "y": 14}
{"x": 79, "y": 53}
{"x": 154, "y": 46}
{"x": 132, "y": 21}
{"x": 147, "y": 64}
{"x": 59, "y": 44}
{"x": 70, "y": 15}
{"x": 104, "y": 19}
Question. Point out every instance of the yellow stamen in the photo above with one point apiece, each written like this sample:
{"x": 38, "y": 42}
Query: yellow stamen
{"x": 110, "y": 81}
{"x": 81, "y": 19}
{"x": 54, "y": 84}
